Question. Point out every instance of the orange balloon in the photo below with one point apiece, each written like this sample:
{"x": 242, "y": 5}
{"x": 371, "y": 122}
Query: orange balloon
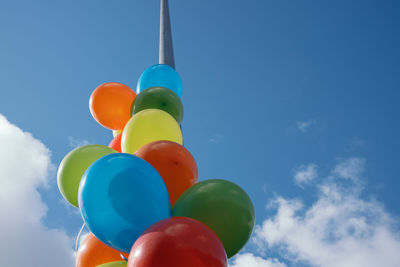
{"x": 93, "y": 252}
{"x": 174, "y": 163}
{"x": 110, "y": 105}
{"x": 116, "y": 143}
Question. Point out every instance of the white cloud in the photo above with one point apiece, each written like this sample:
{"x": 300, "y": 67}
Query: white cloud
{"x": 24, "y": 167}
{"x": 305, "y": 174}
{"x": 249, "y": 260}
{"x": 76, "y": 142}
{"x": 303, "y": 126}
{"x": 340, "y": 229}
{"x": 350, "y": 168}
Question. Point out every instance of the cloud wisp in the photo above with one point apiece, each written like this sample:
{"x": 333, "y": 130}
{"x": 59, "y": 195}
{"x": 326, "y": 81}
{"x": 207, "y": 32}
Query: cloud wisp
{"x": 76, "y": 142}
{"x": 305, "y": 174}
{"x": 24, "y": 167}
{"x": 217, "y": 138}
{"x": 351, "y": 168}
{"x": 304, "y": 126}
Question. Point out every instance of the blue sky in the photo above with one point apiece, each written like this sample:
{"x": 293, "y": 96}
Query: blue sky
{"x": 288, "y": 99}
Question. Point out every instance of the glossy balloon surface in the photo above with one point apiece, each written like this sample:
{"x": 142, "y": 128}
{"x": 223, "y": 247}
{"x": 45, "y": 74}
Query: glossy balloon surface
{"x": 160, "y": 75}
{"x": 74, "y": 165}
{"x": 110, "y": 105}
{"x": 114, "y": 264}
{"x": 178, "y": 242}
{"x": 148, "y": 126}
{"x": 93, "y": 252}
{"x": 116, "y": 132}
{"x": 224, "y": 207}
{"x": 174, "y": 163}
{"x": 159, "y": 98}
{"x": 120, "y": 196}
{"x": 116, "y": 143}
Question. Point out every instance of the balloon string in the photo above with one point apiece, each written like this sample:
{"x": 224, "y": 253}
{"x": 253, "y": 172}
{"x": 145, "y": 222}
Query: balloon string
{"x": 122, "y": 256}
{"x": 78, "y": 237}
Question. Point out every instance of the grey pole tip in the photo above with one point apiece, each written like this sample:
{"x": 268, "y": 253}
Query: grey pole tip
{"x": 166, "y": 55}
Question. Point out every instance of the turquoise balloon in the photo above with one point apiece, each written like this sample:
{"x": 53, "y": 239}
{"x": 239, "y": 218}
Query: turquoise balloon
{"x": 160, "y": 75}
{"x": 120, "y": 196}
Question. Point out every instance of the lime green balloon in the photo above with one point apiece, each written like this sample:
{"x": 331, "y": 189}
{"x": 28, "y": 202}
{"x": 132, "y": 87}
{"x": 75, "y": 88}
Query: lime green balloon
{"x": 114, "y": 264}
{"x": 159, "y": 98}
{"x": 224, "y": 207}
{"x": 74, "y": 165}
{"x": 147, "y": 126}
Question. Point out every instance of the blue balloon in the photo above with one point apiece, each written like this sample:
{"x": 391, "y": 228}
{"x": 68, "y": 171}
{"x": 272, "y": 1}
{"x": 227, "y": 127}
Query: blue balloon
{"x": 120, "y": 196}
{"x": 160, "y": 75}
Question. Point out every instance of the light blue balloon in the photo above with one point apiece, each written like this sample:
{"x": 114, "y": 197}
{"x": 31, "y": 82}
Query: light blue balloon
{"x": 160, "y": 75}
{"x": 120, "y": 196}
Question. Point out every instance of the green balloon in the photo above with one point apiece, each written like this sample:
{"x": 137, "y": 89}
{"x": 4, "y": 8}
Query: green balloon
{"x": 74, "y": 165}
{"x": 224, "y": 207}
{"x": 159, "y": 98}
{"x": 114, "y": 264}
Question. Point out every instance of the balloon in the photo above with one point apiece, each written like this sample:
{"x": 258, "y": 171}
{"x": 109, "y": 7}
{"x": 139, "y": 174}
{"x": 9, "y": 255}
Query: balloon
{"x": 148, "y": 126}
{"x": 116, "y": 143}
{"x": 93, "y": 252}
{"x": 120, "y": 196}
{"x": 116, "y": 132}
{"x": 159, "y": 98}
{"x": 224, "y": 207}
{"x": 110, "y": 105}
{"x": 174, "y": 163}
{"x": 178, "y": 242}
{"x": 114, "y": 264}
{"x": 74, "y": 165}
{"x": 160, "y": 75}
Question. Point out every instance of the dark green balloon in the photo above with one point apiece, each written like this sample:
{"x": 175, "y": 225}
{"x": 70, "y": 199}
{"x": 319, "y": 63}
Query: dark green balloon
{"x": 224, "y": 207}
{"x": 159, "y": 98}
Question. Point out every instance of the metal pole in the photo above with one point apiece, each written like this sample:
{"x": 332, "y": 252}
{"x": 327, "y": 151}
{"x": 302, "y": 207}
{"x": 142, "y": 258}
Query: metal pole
{"x": 166, "y": 55}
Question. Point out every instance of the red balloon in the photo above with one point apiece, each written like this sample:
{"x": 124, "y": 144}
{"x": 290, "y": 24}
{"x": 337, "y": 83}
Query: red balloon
{"x": 174, "y": 163}
{"x": 178, "y": 242}
{"x": 116, "y": 143}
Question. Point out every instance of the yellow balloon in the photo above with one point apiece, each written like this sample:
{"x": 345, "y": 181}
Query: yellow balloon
{"x": 114, "y": 264}
{"x": 116, "y": 132}
{"x": 147, "y": 126}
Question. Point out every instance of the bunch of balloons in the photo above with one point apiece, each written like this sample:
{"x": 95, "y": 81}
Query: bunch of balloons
{"x": 139, "y": 196}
